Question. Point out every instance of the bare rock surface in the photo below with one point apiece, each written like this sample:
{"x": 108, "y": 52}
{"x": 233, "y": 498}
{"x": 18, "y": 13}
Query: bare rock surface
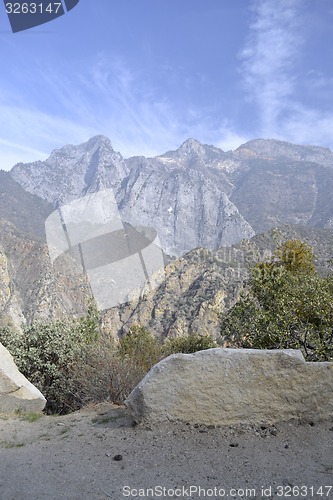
{"x": 234, "y": 386}
{"x": 197, "y": 195}
{"x": 16, "y": 392}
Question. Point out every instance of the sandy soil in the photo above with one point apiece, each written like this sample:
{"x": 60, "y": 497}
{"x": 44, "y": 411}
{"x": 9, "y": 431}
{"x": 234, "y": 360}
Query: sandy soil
{"x": 97, "y": 453}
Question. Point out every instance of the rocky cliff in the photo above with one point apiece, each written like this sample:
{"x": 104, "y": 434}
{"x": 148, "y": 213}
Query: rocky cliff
{"x": 198, "y": 198}
{"x": 202, "y": 284}
{"x": 197, "y": 195}
{"x": 30, "y": 287}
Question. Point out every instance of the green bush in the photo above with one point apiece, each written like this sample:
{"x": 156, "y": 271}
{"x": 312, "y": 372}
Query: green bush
{"x": 287, "y": 305}
{"x": 140, "y": 347}
{"x": 47, "y": 353}
{"x": 72, "y": 363}
{"x": 188, "y": 344}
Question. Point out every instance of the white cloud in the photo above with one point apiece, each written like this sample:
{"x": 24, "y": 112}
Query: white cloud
{"x": 28, "y": 134}
{"x": 269, "y": 61}
{"x": 309, "y": 126}
{"x": 230, "y": 140}
{"x": 108, "y": 98}
{"x": 12, "y": 153}
{"x": 269, "y": 56}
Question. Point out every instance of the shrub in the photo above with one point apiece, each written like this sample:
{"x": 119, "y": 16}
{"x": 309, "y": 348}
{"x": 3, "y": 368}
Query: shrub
{"x": 73, "y": 364}
{"x": 113, "y": 369}
{"x": 288, "y": 305}
{"x": 46, "y": 353}
{"x": 188, "y": 344}
{"x": 140, "y": 347}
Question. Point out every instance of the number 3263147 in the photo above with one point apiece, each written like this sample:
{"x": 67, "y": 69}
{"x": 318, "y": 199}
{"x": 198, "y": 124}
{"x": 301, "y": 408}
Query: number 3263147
{"x": 33, "y": 8}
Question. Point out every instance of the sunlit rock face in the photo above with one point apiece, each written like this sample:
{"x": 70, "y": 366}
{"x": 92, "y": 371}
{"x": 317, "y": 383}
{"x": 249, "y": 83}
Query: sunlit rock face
{"x": 197, "y": 195}
{"x": 234, "y": 386}
{"x": 16, "y": 392}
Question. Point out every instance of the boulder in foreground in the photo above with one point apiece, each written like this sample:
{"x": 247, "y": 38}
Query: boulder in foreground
{"x": 16, "y": 392}
{"x": 233, "y": 386}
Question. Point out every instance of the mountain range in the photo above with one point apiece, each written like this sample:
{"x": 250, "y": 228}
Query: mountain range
{"x": 198, "y": 195}
{"x": 198, "y": 198}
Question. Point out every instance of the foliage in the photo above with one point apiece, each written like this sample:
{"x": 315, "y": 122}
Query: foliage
{"x": 89, "y": 324}
{"x": 296, "y": 256}
{"x": 46, "y": 354}
{"x": 72, "y": 363}
{"x": 141, "y": 347}
{"x": 188, "y": 344}
{"x": 113, "y": 369}
{"x": 288, "y": 305}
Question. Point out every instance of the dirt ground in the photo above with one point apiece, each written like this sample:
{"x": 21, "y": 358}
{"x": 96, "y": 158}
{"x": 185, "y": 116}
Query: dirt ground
{"x": 97, "y": 453}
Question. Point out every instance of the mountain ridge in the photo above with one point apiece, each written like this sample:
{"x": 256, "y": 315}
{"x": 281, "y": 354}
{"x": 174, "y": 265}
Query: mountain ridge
{"x": 203, "y": 284}
{"x": 198, "y": 194}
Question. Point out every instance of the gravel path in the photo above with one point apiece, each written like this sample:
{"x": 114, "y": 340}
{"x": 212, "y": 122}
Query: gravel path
{"x": 97, "y": 453}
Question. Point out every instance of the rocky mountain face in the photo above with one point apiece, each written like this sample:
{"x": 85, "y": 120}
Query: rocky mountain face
{"x": 184, "y": 199}
{"x": 205, "y": 204}
{"x": 30, "y": 287}
{"x": 284, "y": 183}
{"x": 198, "y": 195}
{"x": 73, "y": 171}
{"x": 26, "y": 212}
{"x": 179, "y": 194}
{"x": 203, "y": 284}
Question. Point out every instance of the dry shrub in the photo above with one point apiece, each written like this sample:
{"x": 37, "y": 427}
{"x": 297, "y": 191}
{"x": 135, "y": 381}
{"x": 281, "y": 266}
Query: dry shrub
{"x": 74, "y": 364}
{"x": 111, "y": 370}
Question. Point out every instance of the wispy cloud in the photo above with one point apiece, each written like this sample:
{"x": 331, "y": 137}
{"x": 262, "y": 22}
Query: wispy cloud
{"x": 269, "y": 57}
{"x": 271, "y": 61}
{"x": 141, "y": 118}
{"x": 105, "y": 98}
{"x": 28, "y": 134}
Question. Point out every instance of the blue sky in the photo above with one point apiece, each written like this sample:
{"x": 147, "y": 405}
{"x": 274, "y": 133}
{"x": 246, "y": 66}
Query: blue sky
{"x": 151, "y": 73}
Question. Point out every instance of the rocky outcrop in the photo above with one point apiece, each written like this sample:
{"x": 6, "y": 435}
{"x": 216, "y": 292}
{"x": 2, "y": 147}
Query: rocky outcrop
{"x": 178, "y": 194}
{"x": 203, "y": 284}
{"x": 16, "y": 392}
{"x": 24, "y": 211}
{"x": 234, "y": 386}
{"x": 184, "y": 195}
{"x": 31, "y": 289}
{"x": 72, "y": 171}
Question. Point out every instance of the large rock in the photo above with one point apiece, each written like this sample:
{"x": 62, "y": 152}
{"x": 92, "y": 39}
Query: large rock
{"x": 232, "y": 386}
{"x": 16, "y": 392}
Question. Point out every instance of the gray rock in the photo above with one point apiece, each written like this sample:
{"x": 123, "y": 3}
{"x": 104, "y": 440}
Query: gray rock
{"x": 73, "y": 171}
{"x": 233, "y": 386}
{"x": 16, "y": 392}
{"x": 183, "y": 195}
{"x": 31, "y": 289}
{"x": 197, "y": 195}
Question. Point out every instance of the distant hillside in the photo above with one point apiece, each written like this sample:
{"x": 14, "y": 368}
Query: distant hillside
{"x": 25, "y": 211}
{"x": 30, "y": 288}
{"x": 206, "y": 205}
{"x": 203, "y": 284}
